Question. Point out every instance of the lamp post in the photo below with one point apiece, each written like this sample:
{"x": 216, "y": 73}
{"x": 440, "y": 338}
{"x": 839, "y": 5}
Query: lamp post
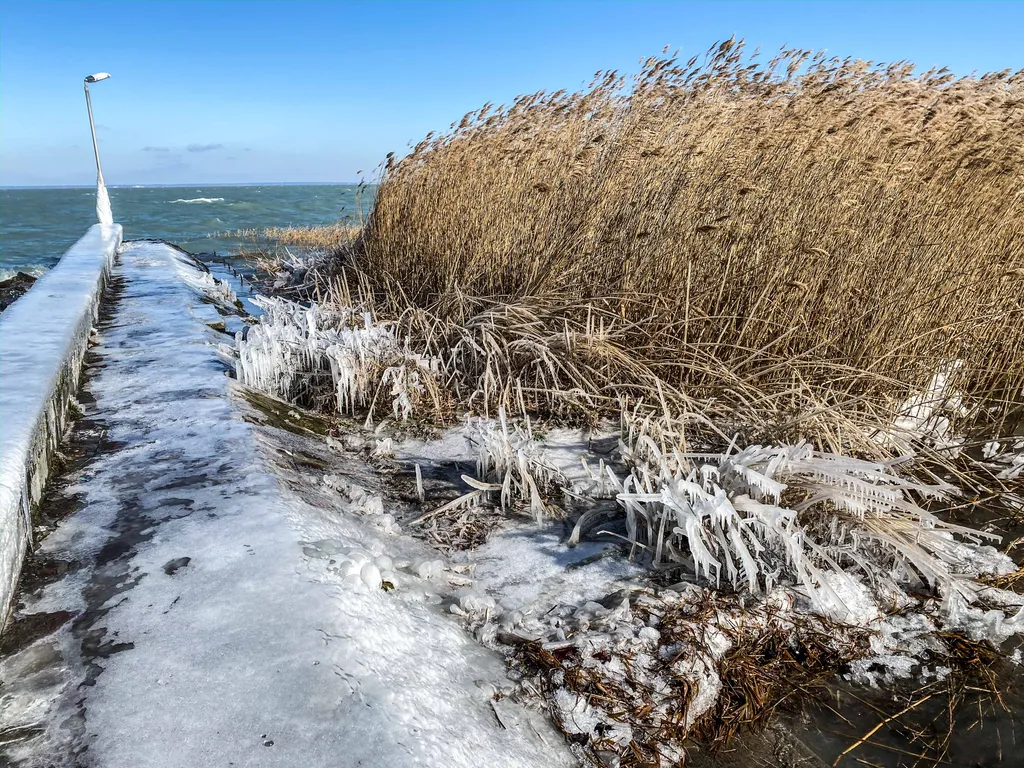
{"x": 103, "y": 213}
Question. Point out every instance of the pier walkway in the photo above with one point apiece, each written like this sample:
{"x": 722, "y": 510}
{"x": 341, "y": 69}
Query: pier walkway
{"x": 191, "y": 610}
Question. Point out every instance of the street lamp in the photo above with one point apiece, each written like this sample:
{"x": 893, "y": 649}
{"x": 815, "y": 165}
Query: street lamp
{"x": 102, "y": 199}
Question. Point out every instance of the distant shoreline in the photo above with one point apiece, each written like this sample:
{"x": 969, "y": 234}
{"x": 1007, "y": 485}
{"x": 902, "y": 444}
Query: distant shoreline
{"x": 191, "y": 184}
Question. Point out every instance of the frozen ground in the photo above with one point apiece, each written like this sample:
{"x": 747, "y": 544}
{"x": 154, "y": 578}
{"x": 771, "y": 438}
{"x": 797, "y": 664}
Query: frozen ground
{"x": 218, "y": 616}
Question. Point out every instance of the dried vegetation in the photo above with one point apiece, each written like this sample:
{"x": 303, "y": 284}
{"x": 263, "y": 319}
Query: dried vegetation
{"x": 329, "y": 237}
{"x": 805, "y": 241}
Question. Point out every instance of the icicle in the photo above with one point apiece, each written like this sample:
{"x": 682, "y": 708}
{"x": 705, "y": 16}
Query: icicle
{"x": 723, "y": 517}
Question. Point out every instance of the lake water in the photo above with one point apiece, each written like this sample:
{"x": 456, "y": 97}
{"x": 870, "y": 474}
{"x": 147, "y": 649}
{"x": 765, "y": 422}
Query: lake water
{"x": 38, "y": 225}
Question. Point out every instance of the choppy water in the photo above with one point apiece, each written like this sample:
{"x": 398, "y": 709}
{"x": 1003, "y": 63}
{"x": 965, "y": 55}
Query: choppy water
{"x": 38, "y": 225}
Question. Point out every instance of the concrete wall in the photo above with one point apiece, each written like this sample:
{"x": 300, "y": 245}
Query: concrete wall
{"x": 43, "y": 339}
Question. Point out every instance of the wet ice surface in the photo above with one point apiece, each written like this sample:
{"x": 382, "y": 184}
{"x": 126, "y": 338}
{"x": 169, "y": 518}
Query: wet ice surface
{"x": 218, "y": 618}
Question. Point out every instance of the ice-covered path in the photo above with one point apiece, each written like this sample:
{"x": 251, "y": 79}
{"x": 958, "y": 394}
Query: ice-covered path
{"x": 207, "y": 624}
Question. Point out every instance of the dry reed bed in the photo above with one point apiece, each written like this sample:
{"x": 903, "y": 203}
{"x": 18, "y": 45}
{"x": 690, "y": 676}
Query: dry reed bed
{"x": 293, "y": 261}
{"x": 327, "y": 237}
{"x": 806, "y": 238}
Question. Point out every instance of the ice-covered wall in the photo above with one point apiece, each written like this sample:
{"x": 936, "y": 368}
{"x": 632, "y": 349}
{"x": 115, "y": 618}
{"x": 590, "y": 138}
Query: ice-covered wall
{"x": 43, "y": 339}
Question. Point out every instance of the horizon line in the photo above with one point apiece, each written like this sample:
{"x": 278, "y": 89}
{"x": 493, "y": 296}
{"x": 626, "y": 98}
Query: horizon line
{"x": 192, "y": 184}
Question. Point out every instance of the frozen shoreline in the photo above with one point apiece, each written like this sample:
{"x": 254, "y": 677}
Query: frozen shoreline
{"x": 851, "y": 552}
{"x": 250, "y": 586}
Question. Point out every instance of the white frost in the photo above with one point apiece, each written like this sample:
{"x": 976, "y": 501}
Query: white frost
{"x": 293, "y": 350}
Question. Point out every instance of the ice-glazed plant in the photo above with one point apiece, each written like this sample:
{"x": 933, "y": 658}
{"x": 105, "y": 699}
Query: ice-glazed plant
{"x": 760, "y": 515}
{"x": 514, "y": 463}
{"x": 314, "y": 355}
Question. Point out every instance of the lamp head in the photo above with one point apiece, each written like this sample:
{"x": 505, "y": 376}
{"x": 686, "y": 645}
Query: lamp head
{"x": 97, "y": 77}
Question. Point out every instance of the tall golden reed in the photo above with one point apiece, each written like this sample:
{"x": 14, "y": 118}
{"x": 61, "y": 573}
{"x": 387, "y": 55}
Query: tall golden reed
{"x": 804, "y": 233}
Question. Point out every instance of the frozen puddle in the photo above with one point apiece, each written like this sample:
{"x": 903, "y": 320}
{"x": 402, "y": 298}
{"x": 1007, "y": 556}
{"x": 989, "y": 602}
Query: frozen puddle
{"x": 214, "y": 620}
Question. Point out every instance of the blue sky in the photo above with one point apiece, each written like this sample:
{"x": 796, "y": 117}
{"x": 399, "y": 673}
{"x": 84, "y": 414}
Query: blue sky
{"x": 210, "y": 92}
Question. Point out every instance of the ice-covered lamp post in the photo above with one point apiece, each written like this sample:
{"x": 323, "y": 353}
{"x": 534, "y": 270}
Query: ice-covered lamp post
{"x": 102, "y": 199}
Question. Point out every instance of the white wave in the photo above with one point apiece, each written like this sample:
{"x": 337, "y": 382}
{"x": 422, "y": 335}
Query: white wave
{"x": 6, "y": 273}
{"x": 201, "y": 200}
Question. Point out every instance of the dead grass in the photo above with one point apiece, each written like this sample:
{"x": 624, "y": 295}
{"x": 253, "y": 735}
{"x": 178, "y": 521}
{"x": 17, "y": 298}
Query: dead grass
{"x": 326, "y": 238}
{"x": 799, "y": 238}
{"x": 459, "y": 528}
{"x": 1013, "y": 581}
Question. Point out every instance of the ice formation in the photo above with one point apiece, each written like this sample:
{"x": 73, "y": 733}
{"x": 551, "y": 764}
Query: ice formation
{"x": 516, "y": 463}
{"x": 304, "y": 354}
{"x": 296, "y": 634}
{"x": 927, "y": 417}
{"x": 216, "y": 290}
{"x": 1007, "y": 456}
{"x": 757, "y": 516}
{"x": 764, "y": 514}
{"x": 103, "y": 213}
{"x": 661, "y": 651}
{"x": 43, "y": 338}
{"x": 809, "y": 533}
{"x": 815, "y": 536}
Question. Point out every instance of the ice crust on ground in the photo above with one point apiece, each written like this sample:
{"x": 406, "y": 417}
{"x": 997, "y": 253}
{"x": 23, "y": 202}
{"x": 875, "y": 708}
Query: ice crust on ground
{"x": 530, "y": 570}
{"x": 725, "y": 511}
{"x": 43, "y": 338}
{"x": 721, "y": 515}
{"x": 264, "y": 649}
